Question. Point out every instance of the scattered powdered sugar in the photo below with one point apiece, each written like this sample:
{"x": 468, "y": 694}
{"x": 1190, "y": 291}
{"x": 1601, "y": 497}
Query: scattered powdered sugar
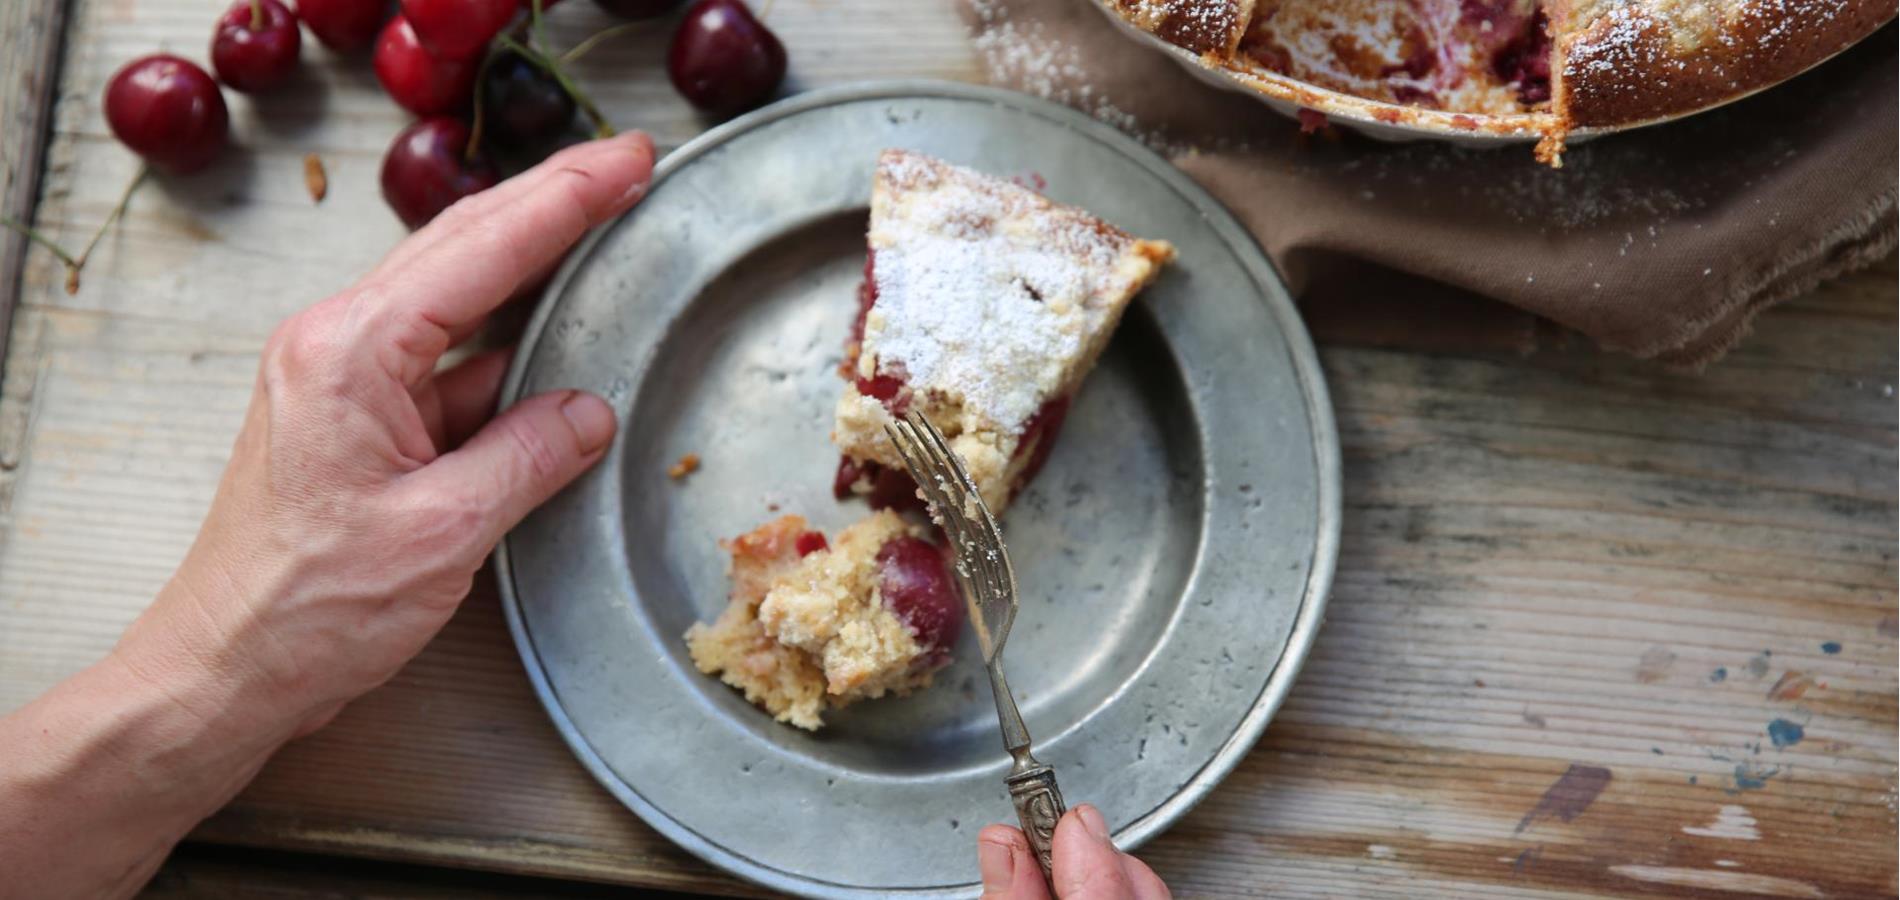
{"x": 986, "y": 291}
{"x": 1024, "y": 55}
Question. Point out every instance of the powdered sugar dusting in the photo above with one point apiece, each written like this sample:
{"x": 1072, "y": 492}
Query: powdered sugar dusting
{"x": 987, "y": 292}
{"x": 1024, "y": 55}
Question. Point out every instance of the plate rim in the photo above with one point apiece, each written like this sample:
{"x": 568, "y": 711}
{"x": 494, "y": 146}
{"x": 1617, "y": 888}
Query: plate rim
{"x": 1305, "y": 363}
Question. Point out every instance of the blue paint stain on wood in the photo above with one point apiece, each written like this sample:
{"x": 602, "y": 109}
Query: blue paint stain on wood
{"x": 1748, "y": 778}
{"x": 1569, "y": 795}
{"x": 1785, "y": 733}
{"x": 1831, "y": 647}
{"x": 1719, "y": 675}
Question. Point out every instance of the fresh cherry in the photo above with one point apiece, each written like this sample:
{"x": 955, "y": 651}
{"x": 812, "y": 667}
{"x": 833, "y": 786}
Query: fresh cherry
{"x": 522, "y": 105}
{"x": 457, "y": 29}
{"x": 255, "y": 46}
{"x": 169, "y": 111}
{"x": 343, "y": 25}
{"x": 422, "y": 83}
{"x": 428, "y": 168}
{"x": 915, "y": 583}
{"x": 638, "y": 9}
{"x": 723, "y": 59}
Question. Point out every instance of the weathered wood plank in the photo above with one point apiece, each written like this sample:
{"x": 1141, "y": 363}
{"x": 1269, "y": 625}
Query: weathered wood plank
{"x": 1549, "y": 554}
{"x": 33, "y": 32}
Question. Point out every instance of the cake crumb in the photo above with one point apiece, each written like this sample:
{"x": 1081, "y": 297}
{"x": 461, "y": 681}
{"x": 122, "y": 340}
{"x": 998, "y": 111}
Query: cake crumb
{"x": 686, "y": 465}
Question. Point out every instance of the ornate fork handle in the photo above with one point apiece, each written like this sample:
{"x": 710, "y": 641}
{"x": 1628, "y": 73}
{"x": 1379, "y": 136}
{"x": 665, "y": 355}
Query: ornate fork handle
{"x": 1032, "y": 787}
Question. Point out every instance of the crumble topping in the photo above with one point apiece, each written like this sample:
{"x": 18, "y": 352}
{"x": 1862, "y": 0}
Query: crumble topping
{"x": 986, "y": 290}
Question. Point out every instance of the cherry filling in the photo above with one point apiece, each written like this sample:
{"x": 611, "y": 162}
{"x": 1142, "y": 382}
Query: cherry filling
{"x": 1039, "y": 439}
{"x": 810, "y": 542}
{"x": 890, "y": 489}
{"x": 1525, "y": 61}
{"x": 914, "y": 580}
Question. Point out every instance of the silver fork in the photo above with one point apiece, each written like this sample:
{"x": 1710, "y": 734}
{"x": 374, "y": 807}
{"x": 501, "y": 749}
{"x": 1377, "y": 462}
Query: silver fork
{"x": 989, "y": 587}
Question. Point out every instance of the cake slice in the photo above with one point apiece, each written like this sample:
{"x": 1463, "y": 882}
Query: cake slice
{"x": 984, "y": 305}
{"x": 812, "y": 623}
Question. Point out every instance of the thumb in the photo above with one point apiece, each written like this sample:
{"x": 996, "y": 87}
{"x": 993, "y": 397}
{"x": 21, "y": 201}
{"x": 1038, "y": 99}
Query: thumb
{"x": 1010, "y": 870}
{"x": 1087, "y": 865}
{"x": 524, "y": 455}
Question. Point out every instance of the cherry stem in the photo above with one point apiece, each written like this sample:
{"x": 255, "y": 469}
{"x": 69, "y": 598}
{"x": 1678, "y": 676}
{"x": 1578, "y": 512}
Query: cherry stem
{"x": 75, "y": 263}
{"x": 602, "y": 128}
{"x": 28, "y": 232}
{"x": 536, "y": 36}
{"x": 606, "y": 34}
{"x": 765, "y": 9}
{"x": 257, "y": 15}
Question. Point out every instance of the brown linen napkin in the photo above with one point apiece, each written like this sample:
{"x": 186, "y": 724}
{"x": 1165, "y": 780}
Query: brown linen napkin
{"x": 1663, "y": 242}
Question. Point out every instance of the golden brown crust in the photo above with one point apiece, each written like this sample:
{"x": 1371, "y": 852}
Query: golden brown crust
{"x": 1631, "y": 62}
{"x": 1207, "y": 27}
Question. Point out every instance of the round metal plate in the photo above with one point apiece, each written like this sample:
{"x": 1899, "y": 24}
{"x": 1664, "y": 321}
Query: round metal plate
{"x": 1174, "y": 555}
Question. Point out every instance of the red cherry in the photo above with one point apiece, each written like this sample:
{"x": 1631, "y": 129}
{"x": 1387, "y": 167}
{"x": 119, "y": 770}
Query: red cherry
{"x": 457, "y": 29}
{"x": 343, "y": 25}
{"x": 428, "y": 168}
{"x": 638, "y": 9}
{"x": 419, "y": 82}
{"x": 915, "y": 583}
{"x": 723, "y": 59}
{"x": 167, "y": 110}
{"x": 810, "y": 542}
{"x": 252, "y": 59}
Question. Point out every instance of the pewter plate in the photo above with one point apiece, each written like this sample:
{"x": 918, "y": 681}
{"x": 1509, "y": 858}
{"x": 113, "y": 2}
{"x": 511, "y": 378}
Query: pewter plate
{"x": 1174, "y": 555}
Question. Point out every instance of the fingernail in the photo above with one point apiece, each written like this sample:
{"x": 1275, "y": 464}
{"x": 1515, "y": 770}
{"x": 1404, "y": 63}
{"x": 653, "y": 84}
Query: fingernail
{"x": 640, "y": 147}
{"x": 1092, "y": 822}
{"x": 998, "y": 865}
{"x": 592, "y": 420}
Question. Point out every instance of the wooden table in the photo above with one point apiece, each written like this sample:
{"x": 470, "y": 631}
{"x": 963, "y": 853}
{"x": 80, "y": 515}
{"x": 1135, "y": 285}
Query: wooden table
{"x": 1582, "y": 603}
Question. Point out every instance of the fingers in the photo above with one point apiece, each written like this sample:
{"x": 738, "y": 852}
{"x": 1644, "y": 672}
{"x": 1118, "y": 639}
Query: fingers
{"x": 1147, "y": 885}
{"x": 521, "y": 458}
{"x": 1087, "y": 865}
{"x": 466, "y": 395}
{"x": 480, "y": 251}
{"x": 1009, "y": 868}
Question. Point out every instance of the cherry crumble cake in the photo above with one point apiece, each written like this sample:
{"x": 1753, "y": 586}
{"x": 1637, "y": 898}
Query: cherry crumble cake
{"x": 810, "y": 624}
{"x": 1565, "y": 63}
{"x": 983, "y": 306}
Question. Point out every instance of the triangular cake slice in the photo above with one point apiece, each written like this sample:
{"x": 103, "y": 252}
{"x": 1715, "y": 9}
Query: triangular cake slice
{"x": 984, "y": 305}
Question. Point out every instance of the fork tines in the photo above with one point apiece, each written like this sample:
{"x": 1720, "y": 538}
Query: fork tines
{"x": 957, "y": 506}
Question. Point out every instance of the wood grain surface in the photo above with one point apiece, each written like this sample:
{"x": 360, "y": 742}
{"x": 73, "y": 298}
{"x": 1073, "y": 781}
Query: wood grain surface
{"x": 1598, "y": 630}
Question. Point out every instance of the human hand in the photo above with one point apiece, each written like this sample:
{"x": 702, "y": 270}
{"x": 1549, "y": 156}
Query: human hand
{"x": 1087, "y": 865}
{"x": 365, "y": 489}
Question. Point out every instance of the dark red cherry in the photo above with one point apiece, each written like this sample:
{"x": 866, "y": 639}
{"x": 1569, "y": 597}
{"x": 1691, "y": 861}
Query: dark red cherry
{"x": 427, "y": 169}
{"x": 914, "y": 580}
{"x": 522, "y": 105}
{"x": 723, "y": 59}
{"x": 458, "y": 29}
{"x": 343, "y": 25}
{"x": 638, "y": 9}
{"x": 169, "y": 111}
{"x": 417, "y": 80}
{"x": 810, "y": 542}
{"x": 255, "y": 46}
